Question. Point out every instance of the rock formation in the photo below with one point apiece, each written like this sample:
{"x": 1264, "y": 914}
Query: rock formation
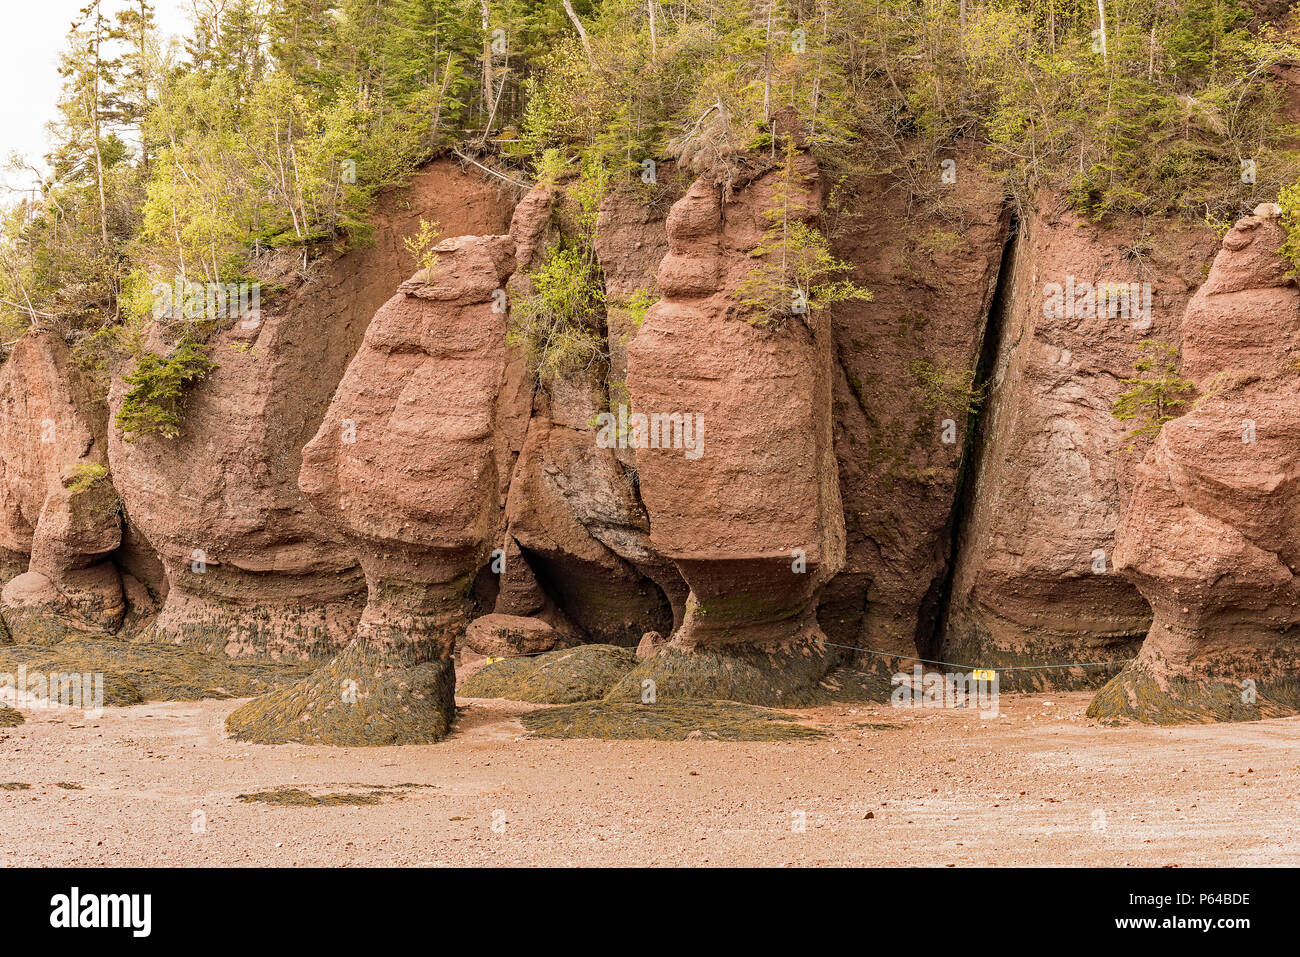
{"x": 409, "y": 471}
{"x": 1035, "y": 578}
{"x": 736, "y": 464}
{"x": 573, "y": 507}
{"x": 369, "y": 479}
{"x": 904, "y": 371}
{"x": 251, "y": 568}
{"x": 59, "y": 515}
{"x": 1211, "y": 537}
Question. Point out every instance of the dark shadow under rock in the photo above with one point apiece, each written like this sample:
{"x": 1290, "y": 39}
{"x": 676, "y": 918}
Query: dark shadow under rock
{"x": 584, "y": 673}
{"x": 359, "y": 699}
{"x": 680, "y": 720}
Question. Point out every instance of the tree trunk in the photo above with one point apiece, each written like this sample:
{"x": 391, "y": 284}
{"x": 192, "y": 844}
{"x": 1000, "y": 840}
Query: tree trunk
{"x": 488, "y": 103}
{"x": 582, "y": 33}
{"x": 94, "y": 124}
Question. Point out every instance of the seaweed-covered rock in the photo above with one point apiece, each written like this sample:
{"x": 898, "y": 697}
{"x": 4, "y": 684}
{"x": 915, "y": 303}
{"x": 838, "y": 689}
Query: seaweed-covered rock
{"x": 681, "y": 720}
{"x": 10, "y": 717}
{"x": 135, "y": 671}
{"x": 358, "y": 699}
{"x": 584, "y": 673}
{"x": 789, "y": 677}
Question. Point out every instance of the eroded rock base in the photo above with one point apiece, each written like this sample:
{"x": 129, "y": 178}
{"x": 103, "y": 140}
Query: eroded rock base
{"x": 359, "y": 699}
{"x": 1141, "y": 693}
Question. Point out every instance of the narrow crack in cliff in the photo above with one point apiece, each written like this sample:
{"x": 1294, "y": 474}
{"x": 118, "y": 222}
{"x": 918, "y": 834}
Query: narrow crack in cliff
{"x": 932, "y": 617}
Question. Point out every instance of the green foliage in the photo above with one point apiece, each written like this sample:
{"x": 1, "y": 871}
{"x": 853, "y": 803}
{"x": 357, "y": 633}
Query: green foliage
{"x": 633, "y": 307}
{"x": 420, "y": 246}
{"x": 1154, "y": 393}
{"x": 796, "y": 272}
{"x": 1289, "y": 200}
{"x": 268, "y": 140}
{"x": 155, "y": 389}
{"x": 560, "y": 323}
{"x": 941, "y": 389}
{"x": 86, "y": 475}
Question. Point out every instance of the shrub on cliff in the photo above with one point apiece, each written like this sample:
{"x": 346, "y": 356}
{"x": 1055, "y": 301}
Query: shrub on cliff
{"x": 796, "y": 273}
{"x": 155, "y": 389}
{"x": 560, "y": 323}
{"x": 1154, "y": 393}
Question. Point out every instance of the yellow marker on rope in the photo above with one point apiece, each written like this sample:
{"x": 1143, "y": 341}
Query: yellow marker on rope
{"x": 493, "y": 661}
{"x": 983, "y": 674}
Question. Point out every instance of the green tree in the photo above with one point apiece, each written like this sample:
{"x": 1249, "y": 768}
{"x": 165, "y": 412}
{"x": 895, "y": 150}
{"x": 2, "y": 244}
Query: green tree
{"x": 1154, "y": 393}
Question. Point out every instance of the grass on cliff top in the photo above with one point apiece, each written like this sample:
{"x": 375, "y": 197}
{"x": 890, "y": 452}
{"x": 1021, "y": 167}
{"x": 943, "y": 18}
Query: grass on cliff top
{"x": 584, "y": 673}
{"x": 680, "y": 720}
{"x": 137, "y": 672}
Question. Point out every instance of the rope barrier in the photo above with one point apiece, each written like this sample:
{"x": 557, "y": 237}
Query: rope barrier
{"x": 492, "y": 659}
{"x": 953, "y": 664}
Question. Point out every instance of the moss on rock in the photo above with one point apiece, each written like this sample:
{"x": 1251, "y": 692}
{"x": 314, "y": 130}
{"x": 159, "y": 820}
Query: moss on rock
{"x": 134, "y": 673}
{"x": 790, "y": 679}
{"x": 679, "y": 720}
{"x": 296, "y": 797}
{"x": 359, "y": 699}
{"x": 584, "y": 673}
{"x": 1136, "y": 694}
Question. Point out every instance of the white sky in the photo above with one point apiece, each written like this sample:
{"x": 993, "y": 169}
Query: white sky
{"x": 30, "y": 41}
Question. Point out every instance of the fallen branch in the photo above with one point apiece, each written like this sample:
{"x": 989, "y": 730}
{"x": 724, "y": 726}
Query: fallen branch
{"x": 491, "y": 172}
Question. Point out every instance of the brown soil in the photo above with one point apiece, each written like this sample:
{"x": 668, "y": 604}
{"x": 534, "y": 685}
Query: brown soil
{"x": 1041, "y": 784}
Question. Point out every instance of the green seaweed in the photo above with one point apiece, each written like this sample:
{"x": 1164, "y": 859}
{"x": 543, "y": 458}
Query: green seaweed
{"x": 680, "y": 720}
{"x": 1137, "y": 695}
{"x": 584, "y": 673}
{"x": 359, "y": 699}
{"x": 137, "y": 672}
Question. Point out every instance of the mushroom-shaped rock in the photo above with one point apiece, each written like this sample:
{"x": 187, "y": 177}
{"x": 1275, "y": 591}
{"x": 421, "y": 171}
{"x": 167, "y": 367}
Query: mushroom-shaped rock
{"x": 405, "y": 470}
{"x": 734, "y": 455}
{"x": 1212, "y": 535}
{"x": 57, "y": 504}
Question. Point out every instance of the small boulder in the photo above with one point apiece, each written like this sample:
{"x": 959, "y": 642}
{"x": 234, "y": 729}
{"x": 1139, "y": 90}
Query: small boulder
{"x": 499, "y": 636}
{"x": 649, "y": 646}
